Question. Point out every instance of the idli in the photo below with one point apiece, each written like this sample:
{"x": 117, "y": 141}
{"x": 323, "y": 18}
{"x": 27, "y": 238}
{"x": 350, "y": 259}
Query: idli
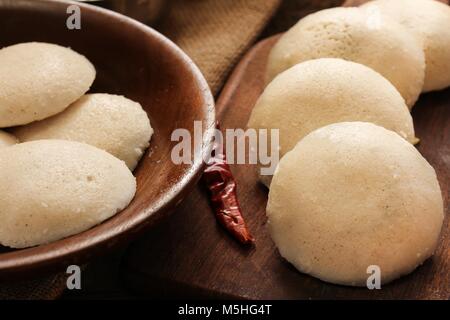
{"x": 357, "y": 35}
{"x": 38, "y": 80}
{"x": 353, "y": 195}
{"x": 319, "y": 92}
{"x": 51, "y": 189}
{"x": 430, "y": 22}
{"x": 6, "y": 139}
{"x": 109, "y": 122}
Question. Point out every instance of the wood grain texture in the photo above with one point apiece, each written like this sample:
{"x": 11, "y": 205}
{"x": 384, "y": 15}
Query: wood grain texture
{"x": 191, "y": 256}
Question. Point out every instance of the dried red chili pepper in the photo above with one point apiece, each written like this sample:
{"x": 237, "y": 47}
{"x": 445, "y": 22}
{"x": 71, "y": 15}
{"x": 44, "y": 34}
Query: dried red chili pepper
{"x": 222, "y": 186}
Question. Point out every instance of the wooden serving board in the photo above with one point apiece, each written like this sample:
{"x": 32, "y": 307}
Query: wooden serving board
{"x": 191, "y": 256}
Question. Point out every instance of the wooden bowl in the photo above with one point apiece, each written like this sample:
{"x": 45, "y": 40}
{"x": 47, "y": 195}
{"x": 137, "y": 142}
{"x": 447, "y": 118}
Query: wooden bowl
{"x": 135, "y": 61}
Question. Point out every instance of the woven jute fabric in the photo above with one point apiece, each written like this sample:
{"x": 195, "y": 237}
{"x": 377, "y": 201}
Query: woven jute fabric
{"x": 214, "y": 33}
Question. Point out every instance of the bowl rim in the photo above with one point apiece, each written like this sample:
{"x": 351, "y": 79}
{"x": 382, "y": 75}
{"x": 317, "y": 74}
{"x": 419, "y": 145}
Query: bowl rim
{"x": 42, "y": 258}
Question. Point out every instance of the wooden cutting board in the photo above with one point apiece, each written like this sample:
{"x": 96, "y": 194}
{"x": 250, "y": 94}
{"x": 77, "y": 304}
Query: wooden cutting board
{"x": 191, "y": 256}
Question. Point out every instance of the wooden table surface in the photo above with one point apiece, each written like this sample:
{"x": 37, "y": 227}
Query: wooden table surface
{"x": 191, "y": 256}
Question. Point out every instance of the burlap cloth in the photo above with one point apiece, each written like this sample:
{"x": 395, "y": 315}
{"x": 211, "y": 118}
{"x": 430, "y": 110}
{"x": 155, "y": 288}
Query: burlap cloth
{"x": 214, "y": 33}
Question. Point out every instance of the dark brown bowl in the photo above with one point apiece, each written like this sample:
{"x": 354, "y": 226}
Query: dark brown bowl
{"x": 141, "y": 64}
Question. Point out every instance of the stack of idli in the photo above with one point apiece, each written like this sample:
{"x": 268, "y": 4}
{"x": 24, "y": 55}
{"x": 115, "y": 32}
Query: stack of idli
{"x": 319, "y": 92}
{"x": 351, "y": 191}
{"x": 429, "y": 22}
{"x": 66, "y": 157}
{"x": 113, "y": 123}
{"x": 357, "y": 35}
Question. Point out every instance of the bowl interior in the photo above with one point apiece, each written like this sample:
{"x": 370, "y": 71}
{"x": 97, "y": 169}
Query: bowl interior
{"x": 139, "y": 63}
